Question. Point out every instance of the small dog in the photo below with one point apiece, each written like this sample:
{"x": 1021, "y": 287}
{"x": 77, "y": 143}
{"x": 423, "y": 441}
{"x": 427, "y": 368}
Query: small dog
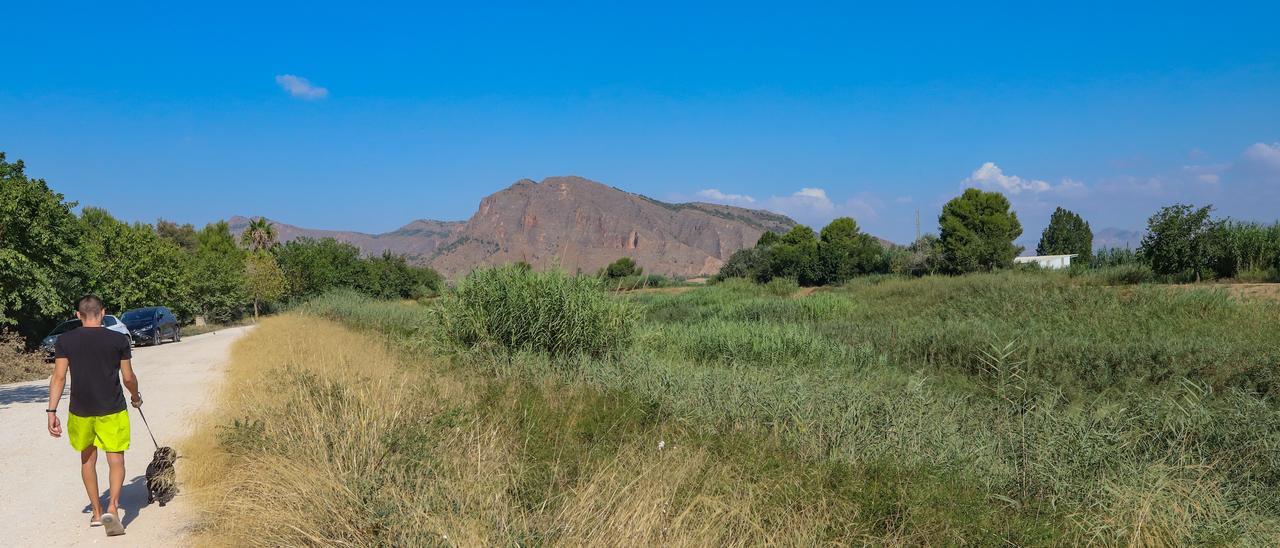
{"x": 162, "y": 477}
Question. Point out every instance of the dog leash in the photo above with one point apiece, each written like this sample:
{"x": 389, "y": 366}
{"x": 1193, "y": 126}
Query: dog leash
{"x": 144, "y": 422}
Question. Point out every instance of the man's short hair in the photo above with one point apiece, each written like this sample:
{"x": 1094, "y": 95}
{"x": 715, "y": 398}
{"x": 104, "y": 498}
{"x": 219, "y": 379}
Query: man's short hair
{"x": 90, "y": 305}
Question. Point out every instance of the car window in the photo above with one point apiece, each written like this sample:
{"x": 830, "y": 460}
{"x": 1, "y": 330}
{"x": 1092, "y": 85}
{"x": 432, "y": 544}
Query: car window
{"x": 65, "y": 327}
{"x": 109, "y": 321}
{"x": 139, "y": 314}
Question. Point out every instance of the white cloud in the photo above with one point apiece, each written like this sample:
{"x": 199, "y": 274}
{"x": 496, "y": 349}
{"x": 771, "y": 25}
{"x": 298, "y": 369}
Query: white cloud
{"x": 805, "y": 205}
{"x": 714, "y": 195}
{"x": 991, "y": 177}
{"x": 300, "y": 87}
{"x": 1262, "y": 157}
{"x": 809, "y": 205}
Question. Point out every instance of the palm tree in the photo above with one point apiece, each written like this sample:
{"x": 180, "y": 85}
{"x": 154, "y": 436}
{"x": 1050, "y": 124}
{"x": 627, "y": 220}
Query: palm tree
{"x": 260, "y": 235}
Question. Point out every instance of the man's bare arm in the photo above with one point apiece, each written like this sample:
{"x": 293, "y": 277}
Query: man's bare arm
{"x": 56, "y": 383}
{"x": 130, "y": 381}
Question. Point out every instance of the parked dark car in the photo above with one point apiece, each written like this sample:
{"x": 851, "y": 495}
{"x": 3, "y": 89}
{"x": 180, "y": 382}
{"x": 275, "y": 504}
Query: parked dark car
{"x": 152, "y": 325}
{"x": 108, "y": 321}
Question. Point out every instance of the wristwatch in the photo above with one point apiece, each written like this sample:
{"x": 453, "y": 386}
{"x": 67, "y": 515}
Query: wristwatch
{"x": 50, "y": 410}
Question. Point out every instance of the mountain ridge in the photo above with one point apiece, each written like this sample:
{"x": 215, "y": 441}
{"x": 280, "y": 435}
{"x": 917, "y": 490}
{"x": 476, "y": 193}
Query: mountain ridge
{"x": 566, "y": 221}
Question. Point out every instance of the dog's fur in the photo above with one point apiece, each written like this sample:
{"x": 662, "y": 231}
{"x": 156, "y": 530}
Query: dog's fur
{"x": 162, "y": 477}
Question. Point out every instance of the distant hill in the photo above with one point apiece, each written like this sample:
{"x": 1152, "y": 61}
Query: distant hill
{"x": 572, "y": 222}
{"x": 1117, "y": 237}
{"x": 417, "y": 240}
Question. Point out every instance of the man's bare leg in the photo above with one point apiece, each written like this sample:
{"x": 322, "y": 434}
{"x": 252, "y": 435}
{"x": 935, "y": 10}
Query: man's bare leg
{"x": 89, "y": 473}
{"x": 115, "y": 461}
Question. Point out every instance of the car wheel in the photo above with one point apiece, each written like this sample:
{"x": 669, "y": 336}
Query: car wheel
{"x": 177, "y": 334}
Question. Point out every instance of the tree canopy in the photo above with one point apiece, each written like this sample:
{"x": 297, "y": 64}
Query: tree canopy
{"x": 621, "y": 268}
{"x": 1067, "y": 234}
{"x": 260, "y": 235}
{"x": 839, "y": 253}
{"x": 1176, "y": 241}
{"x": 49, "y": 256}
{"x": 39, "y": 251}
{"x": 844, "y": 252}
{"x": 977, "y": 232}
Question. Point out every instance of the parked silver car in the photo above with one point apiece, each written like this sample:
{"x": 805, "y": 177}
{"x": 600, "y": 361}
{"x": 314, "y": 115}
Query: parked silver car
{"x": 108, "y": 321}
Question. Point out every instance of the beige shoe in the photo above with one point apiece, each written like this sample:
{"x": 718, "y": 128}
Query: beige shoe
{"x": 112, "y": 525}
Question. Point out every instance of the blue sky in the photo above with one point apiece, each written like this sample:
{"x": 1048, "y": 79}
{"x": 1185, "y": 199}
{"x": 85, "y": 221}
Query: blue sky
{"x": 338, "y": 115}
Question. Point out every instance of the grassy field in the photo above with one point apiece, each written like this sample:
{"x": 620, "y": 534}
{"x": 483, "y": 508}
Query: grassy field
{"x": 1015, "y": 408}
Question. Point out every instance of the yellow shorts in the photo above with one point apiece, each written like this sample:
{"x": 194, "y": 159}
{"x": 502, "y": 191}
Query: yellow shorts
{"x": 109, "y": 433}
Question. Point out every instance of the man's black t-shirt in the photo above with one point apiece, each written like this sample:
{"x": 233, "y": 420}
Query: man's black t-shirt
{"x": 95, "y": 354}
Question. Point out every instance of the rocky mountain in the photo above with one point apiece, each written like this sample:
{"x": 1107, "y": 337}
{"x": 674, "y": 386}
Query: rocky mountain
{"x": 572, "y": 222}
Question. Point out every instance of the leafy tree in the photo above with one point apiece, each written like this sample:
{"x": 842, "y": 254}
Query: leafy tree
{"x": 845, "y": 252}
{"x": 130, "y": 266}
{"x": 218, "y": 269}
{"x": 795, "y": 255}
{"x": 750, "y": 262}
{"x": 391, "y": 276}
{"x": 1176, "y": 241}
{"x": 768, "y": 238}
{"x": 922, "y": 258}
{"x": 260, "y": 235}
{"x": 621, "y": 268}
{"x": 39, "y": 260}
{"x": 1067, "y": 234}
{"x": 264, "y": 281}
{"x": 977, "y": 232}
{"x": 183, "y": 235}
{"x": 315, "y": 266}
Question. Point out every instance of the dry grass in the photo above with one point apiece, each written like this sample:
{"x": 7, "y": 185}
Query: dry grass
{"x": 16, "y": 364}
{"x": 324, "y": 436}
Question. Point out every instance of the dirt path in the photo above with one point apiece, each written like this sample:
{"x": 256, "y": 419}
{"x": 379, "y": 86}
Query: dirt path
{"x": 43, "y": 501}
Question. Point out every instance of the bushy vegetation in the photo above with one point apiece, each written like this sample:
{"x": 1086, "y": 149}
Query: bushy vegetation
{"x": 1022, "y": 408}
{"x": 515, "y": 309}
{"x": 49, "y": 256}
{"x": 624, "y": 267}
{"x": 1184, "y": 243}
{"x": 841, "y": 252}
{"x": 16, "y": 363}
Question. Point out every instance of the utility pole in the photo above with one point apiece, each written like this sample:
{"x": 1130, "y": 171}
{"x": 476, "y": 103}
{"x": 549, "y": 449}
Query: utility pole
{"x": 917, "y": 224}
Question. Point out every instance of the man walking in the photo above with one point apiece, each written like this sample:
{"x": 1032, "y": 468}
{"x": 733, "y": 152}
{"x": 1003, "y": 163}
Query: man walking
{"x": 98, "y": 359}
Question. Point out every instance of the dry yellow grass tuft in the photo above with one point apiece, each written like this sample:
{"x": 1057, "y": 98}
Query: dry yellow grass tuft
{"x": 323, "y": 436}
{"x": 16, "y": 364}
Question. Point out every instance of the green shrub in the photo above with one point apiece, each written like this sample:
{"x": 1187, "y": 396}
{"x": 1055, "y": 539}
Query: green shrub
{"x": 782, "y": 286}
{"x": 513, "y": 309}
